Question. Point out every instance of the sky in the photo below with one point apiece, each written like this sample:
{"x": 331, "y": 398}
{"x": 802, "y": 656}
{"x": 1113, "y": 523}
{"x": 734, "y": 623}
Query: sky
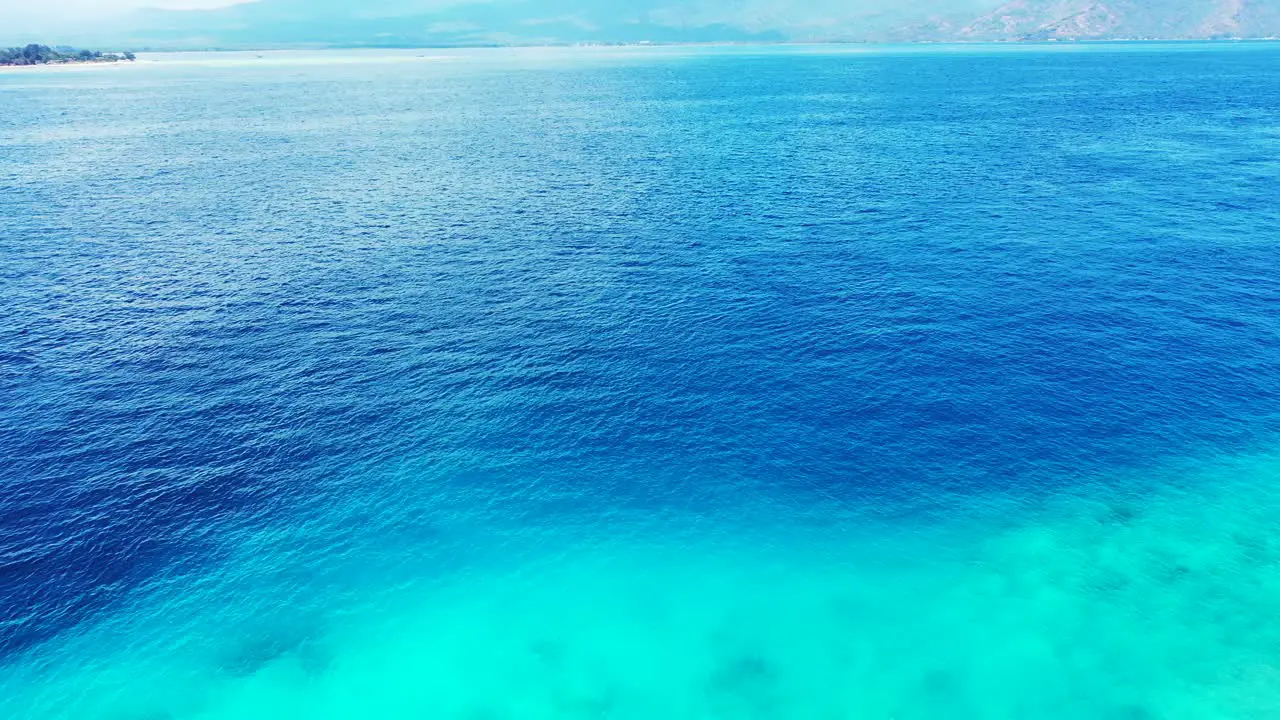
{"x": 417, "y": 23}
{"x": 55, "y": 13}
{"x": 37, "y": 15}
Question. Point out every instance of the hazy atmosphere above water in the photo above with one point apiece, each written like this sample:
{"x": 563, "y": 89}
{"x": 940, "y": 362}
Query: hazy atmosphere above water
{"x": 194, "y": 24}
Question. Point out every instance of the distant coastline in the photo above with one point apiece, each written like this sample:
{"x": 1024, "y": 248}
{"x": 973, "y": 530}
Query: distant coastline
{"x": 34, "y": 54}
{"x": 286, "y": 47}
{"x": 46, "y": 56}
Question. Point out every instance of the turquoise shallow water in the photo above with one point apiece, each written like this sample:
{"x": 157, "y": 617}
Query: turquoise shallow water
{"x": 1125, "y": 603}
{"x": 803, "y": 383}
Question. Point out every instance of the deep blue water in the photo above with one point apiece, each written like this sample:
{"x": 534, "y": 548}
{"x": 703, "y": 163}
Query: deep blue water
{"x": 719, "y": 382}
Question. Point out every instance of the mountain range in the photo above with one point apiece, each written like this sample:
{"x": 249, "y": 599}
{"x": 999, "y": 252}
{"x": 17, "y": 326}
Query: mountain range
{"x": 391, "y": 23}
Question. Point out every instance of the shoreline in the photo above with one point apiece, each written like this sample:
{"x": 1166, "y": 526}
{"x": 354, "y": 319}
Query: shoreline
{"x": 60, "y": 67}
{"x": 445, "y": 53}
{"x": 647, "y": 44}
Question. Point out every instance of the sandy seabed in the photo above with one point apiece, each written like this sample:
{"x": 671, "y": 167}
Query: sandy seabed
{"x": 1143, "y": 597}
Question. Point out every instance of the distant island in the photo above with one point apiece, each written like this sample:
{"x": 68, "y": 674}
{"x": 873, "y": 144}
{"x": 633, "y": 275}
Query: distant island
{"x": 44, "y": 55}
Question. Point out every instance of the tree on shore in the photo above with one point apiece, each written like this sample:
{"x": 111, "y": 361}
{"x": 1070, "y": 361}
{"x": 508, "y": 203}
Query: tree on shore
{"x": 35, "y": 54}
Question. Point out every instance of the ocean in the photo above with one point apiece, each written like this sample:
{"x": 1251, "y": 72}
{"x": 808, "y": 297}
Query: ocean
{"x": 750, "y": 383}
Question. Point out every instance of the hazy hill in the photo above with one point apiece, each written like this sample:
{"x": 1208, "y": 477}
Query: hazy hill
{"x": 1108, "y": 19}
